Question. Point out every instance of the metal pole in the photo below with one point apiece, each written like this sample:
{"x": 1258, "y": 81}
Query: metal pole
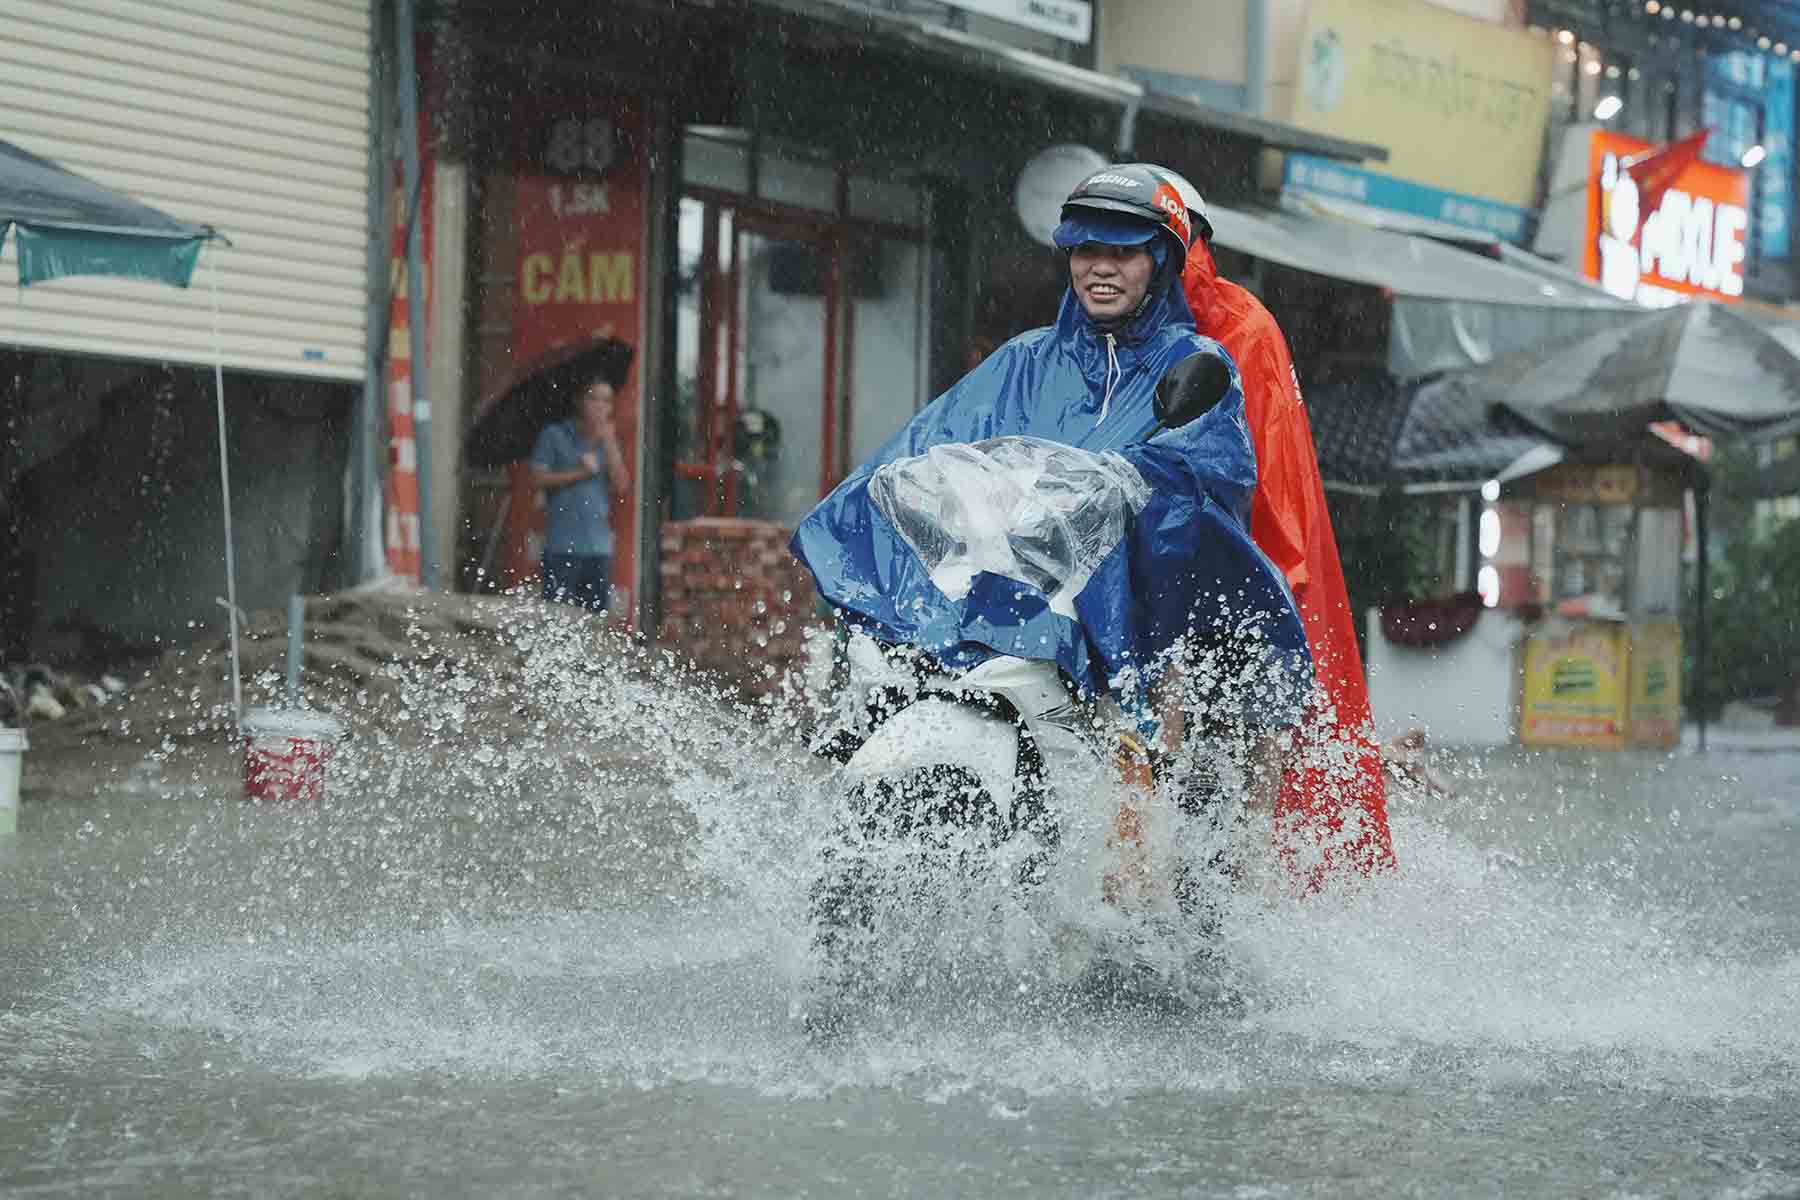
{"x": 231, "y": 604}
{"x": 1703, "y": 586}
{"x": 296, "y": 646}
{"x": 1256, "y": 60}
{"x": 366, "y": 499}
{"x": 415, "y": 290}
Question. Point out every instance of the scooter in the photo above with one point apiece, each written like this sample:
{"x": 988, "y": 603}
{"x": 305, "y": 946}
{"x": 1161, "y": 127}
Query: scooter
{"x": 946, "y": 771}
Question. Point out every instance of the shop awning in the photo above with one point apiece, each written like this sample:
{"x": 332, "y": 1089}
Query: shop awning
{"x": 987, "y": 57}
{"x": 1375, "y": 433}
{"x": 1444, "y": 434}
{"x": 66, "y": 224}
{"x": 1718, "y": 369}
{"x": 1451, "y": 308}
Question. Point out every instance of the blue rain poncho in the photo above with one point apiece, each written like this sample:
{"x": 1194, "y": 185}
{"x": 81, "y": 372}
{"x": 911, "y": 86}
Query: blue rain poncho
{"x": 1183, "y": 562}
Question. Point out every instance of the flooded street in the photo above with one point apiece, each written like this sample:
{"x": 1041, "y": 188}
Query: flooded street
{"x": 823, "y": 541}
{"x": 568, "y": 961}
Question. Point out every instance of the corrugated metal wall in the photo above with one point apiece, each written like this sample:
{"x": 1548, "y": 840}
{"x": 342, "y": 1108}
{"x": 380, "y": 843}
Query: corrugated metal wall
{"x": 249, "y": 116}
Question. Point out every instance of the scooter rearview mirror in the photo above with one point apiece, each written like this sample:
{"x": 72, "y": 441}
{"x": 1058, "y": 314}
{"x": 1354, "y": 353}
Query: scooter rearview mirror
{"x": 1190, "y": 388}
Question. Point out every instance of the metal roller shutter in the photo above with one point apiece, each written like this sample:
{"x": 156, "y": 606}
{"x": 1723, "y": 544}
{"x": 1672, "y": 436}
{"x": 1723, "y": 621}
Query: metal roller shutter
{"x": 252, "y": 117}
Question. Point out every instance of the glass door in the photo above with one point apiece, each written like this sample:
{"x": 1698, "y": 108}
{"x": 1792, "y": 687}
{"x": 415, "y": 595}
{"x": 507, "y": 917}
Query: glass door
{"x": 785, "y": 369}
{"x": 800, "y": 349}
{"x": 757, "y": 360}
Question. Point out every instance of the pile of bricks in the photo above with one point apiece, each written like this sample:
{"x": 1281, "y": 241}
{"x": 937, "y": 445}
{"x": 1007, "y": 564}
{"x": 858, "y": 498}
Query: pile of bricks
{"x": 734, "y": 600}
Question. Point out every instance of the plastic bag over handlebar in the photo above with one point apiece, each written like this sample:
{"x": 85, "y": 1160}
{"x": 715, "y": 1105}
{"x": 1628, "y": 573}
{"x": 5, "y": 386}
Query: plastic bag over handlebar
{"x": 1019, "y": 507}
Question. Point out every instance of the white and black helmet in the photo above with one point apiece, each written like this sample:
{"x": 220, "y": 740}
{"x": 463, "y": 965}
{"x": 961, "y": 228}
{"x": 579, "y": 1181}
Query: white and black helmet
{"x": 1190, "y": 196}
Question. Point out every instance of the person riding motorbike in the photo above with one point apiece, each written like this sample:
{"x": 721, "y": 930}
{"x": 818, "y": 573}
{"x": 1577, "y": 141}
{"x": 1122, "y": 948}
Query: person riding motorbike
{"x": 1090, "y": 381}
{"x": 1022, "y": 687}
{"x": 1331, "y": 803}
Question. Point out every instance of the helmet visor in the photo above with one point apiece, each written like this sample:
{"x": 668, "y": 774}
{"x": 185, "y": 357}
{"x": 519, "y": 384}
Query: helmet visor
{"x": 1111, "y": 229}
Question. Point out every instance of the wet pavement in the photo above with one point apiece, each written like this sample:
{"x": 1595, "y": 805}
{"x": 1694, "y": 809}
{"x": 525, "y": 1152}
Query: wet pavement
{"x": 487, "y": 965}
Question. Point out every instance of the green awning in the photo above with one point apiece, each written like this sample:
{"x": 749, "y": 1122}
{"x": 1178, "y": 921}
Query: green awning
{"x": 69, "y": 225}
{"x": 46, "y": 254}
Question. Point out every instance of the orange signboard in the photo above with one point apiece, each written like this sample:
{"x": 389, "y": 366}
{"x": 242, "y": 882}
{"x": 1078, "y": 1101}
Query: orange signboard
{"x": 578, "y": 223}
{"x": 1663, "y": 226}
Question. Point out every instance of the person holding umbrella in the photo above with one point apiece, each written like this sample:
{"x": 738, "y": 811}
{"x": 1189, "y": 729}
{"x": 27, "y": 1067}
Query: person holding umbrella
{"x": 578, "y": 464}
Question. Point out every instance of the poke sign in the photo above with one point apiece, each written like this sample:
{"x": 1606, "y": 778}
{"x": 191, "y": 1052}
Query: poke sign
{"x": 1664, "y": 226}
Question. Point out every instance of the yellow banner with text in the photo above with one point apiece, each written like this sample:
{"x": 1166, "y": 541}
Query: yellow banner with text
{"x": 1575, "y": 688}
{"x": 1461, "y": 104}
{"x": 1656, "y": 684}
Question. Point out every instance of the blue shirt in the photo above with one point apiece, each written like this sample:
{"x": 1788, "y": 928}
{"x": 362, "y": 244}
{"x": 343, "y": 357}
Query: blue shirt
{"x": 577, "y": 516}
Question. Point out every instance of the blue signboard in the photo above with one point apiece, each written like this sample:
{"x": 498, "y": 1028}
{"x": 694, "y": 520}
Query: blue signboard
{"x": 1749, "y": 100}
{"x": 1334, "y": 180}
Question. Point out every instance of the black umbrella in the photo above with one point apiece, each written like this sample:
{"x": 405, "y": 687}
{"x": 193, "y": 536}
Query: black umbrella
{"x": 507, "y": 423}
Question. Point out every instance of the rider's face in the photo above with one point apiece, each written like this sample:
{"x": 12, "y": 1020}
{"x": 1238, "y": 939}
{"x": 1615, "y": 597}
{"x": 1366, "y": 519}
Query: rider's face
{"x": 1110, "y": 281}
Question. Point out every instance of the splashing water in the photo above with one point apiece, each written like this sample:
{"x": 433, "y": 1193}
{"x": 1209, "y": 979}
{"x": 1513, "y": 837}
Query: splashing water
{"x": 564, "y": 876}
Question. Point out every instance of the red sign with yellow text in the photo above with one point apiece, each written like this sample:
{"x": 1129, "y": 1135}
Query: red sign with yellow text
{"x": 578, "y": 222}
{"x": 1662, "y": 225}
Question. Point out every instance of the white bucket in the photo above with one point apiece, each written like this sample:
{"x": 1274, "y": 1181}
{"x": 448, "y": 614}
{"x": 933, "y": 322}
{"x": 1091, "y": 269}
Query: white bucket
{"x": 13, "y": 745}
{"x": 286, "y": 751}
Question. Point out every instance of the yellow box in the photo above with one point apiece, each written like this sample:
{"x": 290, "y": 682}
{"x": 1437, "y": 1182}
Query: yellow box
{"x": 1576, "y": 688}
{"x": 1655, "y": 713}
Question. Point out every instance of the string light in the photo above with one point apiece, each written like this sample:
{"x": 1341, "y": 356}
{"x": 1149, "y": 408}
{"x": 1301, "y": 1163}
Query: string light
{"x": 1668, "y": 12}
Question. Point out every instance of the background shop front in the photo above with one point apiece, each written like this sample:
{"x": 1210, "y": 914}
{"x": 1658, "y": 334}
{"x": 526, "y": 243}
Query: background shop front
{"x": 825, "y": 224}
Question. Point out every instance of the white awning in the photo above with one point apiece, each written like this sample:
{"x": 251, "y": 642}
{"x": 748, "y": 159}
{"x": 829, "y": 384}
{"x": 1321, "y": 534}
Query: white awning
{"x": 1452, "y": 308}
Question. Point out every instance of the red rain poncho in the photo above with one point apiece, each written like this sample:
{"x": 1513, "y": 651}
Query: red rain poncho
{"x": 1332, "y": 806}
